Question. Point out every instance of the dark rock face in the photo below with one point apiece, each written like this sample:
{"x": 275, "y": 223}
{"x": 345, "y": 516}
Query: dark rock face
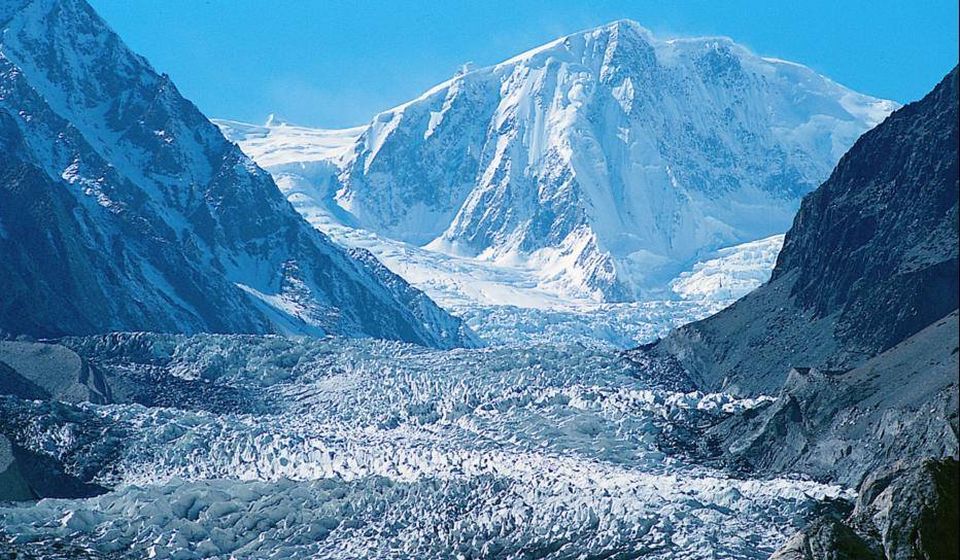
{"x": 123, "y": 208}
{"x": 913, "y": 510}
{"x": 899, "y": 406}
{"x": 905, "y": 513}
{"x": 859, "y": 335}
{"x": 878, "y": 240}
{"x": 871, "y": 259}
{"x": 827, "y": 538}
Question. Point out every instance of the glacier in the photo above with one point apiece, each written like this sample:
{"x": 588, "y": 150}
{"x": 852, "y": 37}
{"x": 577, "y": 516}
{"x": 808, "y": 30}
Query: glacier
{"x": 594, "y": 192}
{"x": 347, "y": 448}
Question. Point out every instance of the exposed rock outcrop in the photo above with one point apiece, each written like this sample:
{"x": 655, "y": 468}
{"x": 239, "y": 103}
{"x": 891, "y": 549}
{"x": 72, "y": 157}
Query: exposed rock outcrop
{"x": 905, "y": 513}
{"x": 900, "y": 405}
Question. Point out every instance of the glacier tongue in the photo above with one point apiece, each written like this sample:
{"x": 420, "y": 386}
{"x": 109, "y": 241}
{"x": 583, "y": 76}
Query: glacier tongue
{"x": 360, "y": 448}
{"x": 607, "y": 160}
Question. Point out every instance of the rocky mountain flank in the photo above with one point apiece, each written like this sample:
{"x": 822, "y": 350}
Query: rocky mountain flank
{"x": 857, "y": 334}
{"x": 123, "y": 208}
{"x": 871, "y": 260}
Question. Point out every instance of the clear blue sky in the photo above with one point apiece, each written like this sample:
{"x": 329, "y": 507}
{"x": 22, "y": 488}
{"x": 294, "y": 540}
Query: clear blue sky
{"x": 334, "y": 63}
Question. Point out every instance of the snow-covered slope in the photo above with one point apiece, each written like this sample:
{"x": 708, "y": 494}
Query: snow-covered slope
{"x": 277, "y": 143}
{"x": 123, "y": 208}
{"x": 607, "y": 160}
{"x": 505, "y": 303}
{"x": 732, "y": 273}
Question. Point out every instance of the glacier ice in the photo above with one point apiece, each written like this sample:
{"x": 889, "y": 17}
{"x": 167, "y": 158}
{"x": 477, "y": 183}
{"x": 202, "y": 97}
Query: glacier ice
{"x": 358, "y": 448}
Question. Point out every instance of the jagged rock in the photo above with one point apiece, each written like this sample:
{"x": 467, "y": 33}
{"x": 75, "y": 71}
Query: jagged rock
{"x": 900, "y": 405}
{"x": 913, "y": 509}
{"x": 904, "y": 513}
{"x": 827, "y": 539}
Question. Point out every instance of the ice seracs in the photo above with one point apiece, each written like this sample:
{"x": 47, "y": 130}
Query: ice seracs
{"x": 732, "y": 273}
{"x": 341, "y": 448}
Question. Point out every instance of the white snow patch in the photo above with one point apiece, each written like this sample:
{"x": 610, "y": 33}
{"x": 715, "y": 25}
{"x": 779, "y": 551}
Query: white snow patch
{"x": 733, "y": 273}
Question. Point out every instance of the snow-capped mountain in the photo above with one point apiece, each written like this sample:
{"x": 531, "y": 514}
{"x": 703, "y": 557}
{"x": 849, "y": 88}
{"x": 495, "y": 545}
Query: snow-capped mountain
{"x": 123, "y": 208}
{"x": 607, "y": 160}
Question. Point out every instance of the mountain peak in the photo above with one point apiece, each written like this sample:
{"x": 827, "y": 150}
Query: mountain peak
{"x": 618, "y": 30}
{"x": 624, "y": 26}
{"x": 273, "y": 121}
{"x": 609, "y": 159}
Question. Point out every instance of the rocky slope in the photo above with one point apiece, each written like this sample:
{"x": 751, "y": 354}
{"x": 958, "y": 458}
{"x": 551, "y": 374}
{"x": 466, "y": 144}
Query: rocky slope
{"x": 899, "y": 405}
{"x": 906, "y": 512}
{"x": 858, "y": 332}
{"x": 607, "y": 160}
{"x": 123, "y": 208}
{"x": 870, "y": 260}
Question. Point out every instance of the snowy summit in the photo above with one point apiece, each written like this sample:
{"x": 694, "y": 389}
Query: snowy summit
{"x": 606, "y": 162}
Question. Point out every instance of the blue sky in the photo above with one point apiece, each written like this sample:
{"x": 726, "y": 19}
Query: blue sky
{"x": 336, "y": 63}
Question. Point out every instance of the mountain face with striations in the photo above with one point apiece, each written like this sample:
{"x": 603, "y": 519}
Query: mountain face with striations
{"x": 607, "y": 160}
{"x": 870, "y": 261}
{"x": 123, "y": 208}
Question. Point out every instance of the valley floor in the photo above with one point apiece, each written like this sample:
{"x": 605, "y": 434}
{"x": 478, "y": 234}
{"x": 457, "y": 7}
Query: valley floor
{"x": 266, "y": 447}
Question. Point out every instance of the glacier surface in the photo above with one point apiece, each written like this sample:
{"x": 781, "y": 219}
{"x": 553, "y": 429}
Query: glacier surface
{"x": 345, "y": 448}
